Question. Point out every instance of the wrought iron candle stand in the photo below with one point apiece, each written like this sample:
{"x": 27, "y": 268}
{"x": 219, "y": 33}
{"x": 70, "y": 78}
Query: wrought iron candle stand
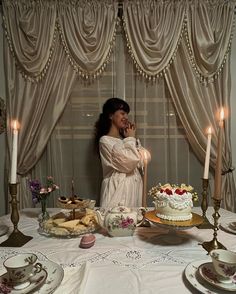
{"x": 214, "y": 243}
{"x": 16, "y": 238}
{"x": 204, "y": 205}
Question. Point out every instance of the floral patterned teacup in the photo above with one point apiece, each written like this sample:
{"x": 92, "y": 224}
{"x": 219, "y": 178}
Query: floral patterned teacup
{"x": 224, "y": 262}
{"x": 21, "y": 267}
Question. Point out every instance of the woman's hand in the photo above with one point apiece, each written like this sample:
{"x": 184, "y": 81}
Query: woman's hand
{"x": 130, "y": 130}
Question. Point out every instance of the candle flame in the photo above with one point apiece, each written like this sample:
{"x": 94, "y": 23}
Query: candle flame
{"x": 209, "y": 130}
{"x": 15, "y": 125}
{"x": 222, "y": 114}
{"x": 145, "y": 155}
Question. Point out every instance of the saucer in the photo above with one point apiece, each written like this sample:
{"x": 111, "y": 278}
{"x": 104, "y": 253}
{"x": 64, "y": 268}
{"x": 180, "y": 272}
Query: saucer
{"x": 34, "y": 282}
{"x": 55, "y": 276}
{"x": 193, "y": 277}
{"x": 208, "y": 273}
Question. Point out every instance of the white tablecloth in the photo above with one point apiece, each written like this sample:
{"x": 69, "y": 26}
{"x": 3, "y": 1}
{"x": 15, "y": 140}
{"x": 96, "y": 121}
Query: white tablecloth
{"x": 151, "y": 261}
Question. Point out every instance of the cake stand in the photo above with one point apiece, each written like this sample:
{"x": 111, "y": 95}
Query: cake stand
{"x": 173, "y": 226}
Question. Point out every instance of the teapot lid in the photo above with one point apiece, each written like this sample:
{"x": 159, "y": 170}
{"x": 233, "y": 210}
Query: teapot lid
{"x": 120, "y": 208}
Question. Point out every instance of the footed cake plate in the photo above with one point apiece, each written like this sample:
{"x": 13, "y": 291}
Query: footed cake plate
{"x": 196, "y": 220}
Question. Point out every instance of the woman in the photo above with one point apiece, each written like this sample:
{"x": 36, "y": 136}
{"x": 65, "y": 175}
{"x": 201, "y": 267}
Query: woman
{"x": 117, "y": 146}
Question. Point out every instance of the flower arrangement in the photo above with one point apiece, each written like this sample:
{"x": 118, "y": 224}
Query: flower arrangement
{"x": 39, "y": 192}
{"x": 171, "y": 189}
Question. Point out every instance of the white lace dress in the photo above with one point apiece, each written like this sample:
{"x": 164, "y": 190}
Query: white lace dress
{"x": 122, "y": 182}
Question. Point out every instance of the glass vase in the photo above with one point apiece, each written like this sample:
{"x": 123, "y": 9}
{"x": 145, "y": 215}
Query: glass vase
{"x": 44, "y": 215}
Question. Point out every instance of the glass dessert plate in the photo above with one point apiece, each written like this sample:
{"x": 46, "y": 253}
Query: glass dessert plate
{"x": 68, "y": 224}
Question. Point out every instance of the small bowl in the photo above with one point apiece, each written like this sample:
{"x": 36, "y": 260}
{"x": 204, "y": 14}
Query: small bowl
{"x": 87, "y": 241}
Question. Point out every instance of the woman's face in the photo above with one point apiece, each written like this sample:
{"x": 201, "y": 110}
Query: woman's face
{"x": 120, "y": 119}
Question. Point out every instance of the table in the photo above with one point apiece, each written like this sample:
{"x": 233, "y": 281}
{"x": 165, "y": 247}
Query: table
{"x": 145, "y": 263}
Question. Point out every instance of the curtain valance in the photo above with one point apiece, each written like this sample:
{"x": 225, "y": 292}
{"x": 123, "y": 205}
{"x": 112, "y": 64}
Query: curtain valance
{"x": 86, "y": 28}
{"x": 154, "y": 29}
{"x": 209, "y": 34}
{"x": 25, "y": 27}
{"x": 87, "y": 31}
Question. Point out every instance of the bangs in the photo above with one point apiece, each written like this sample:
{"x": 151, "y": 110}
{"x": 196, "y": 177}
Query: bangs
{"x": 123, "y": 106}
{"x": 114, "y": 104}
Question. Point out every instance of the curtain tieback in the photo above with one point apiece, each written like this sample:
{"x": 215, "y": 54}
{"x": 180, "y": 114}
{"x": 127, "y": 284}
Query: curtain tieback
{"x": 230, "y": 170}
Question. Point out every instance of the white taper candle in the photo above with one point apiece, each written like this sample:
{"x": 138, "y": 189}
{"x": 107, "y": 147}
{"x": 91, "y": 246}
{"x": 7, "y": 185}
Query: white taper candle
{"x": 14, "y": 153}
{"x": 208, "y": 152}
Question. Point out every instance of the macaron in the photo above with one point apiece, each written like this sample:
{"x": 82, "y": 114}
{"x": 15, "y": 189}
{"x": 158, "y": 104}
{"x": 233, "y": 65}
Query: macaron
{"x": 87, "y": 241}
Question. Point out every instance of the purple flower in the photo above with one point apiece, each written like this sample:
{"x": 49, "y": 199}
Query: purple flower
{"x": 4, "y": 288}
{"x": 228, "y": 270}
{"x": 40, "y": 192}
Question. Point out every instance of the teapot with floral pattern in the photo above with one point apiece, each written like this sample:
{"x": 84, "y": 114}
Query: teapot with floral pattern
{"x": 120, "y": 221}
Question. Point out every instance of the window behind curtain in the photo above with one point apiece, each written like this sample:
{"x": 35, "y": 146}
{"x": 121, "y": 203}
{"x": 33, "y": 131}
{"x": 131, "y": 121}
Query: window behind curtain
{"x": 70, "y": 154}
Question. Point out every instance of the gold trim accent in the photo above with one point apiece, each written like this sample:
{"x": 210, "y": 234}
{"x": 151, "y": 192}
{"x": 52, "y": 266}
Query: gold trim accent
{"x": 194, "y": 221}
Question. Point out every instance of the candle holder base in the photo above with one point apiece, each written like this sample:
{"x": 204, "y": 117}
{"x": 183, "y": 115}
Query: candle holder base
{"x": 16, "y": 239}
{"x": 213, "y": 244}
{"x": 144, "y": 223}
{"x": 206, "y": 224}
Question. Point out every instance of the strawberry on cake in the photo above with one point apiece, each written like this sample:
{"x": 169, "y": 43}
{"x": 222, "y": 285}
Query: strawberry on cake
{"x": 173, "y": 202}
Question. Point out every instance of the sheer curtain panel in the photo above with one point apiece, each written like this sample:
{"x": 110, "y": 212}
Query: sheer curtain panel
{"x": 197, "y": 70}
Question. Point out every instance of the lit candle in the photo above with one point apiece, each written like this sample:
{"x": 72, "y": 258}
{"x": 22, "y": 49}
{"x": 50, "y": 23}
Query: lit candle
{"x": 144, "y": 199}
{"x": 217, "y": 190}
{"x": 207, "y": 158}
{"x": 14, "y": 152}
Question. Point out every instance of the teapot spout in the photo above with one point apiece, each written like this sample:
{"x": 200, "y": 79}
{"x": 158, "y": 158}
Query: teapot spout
{"x": 100, "y": 218}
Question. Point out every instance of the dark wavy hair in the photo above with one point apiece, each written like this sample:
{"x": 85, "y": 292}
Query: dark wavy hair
{"x": 103, "y": 124}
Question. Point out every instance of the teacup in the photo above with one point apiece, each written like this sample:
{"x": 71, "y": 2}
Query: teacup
{"x": 21, "y": 267}
{"x": 224, "y": 263}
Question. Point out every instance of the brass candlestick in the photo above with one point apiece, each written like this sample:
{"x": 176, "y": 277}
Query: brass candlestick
{"x": 204, "y": 205}
{"x": 16, "y": 238}
{"x": 214, "y": 243}
{"x": 144, "y": 222}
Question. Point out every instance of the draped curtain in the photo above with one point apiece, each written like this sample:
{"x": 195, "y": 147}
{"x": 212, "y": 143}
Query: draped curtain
{"x": 77, "y": 42}
{"x": 188, "y": 43}
{"x": 185, "y": 42}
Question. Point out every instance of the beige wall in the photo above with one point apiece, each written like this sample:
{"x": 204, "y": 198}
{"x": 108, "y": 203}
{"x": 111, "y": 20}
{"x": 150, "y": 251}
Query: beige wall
{"x": 2, "y": 136}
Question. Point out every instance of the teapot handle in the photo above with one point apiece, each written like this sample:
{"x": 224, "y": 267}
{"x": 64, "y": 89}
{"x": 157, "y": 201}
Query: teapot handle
{"x": 141, "y": 212}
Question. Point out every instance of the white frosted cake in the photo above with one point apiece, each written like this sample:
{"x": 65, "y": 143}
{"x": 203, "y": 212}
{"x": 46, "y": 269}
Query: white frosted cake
{"x": 173, "y": 202}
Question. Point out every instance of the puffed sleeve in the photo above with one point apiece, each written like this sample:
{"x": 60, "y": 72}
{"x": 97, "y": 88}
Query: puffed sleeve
{"x": 123, "y": 156}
